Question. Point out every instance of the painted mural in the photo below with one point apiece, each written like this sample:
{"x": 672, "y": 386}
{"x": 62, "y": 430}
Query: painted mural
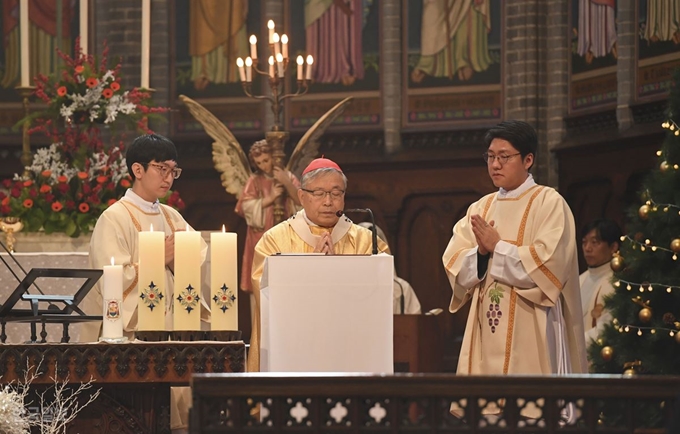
{"x": 343, "y": 38}
{"x": 45, "y": 36}
{"x": 452, "y": 61}
{"x": 209, "y": 36}
{"x": 592, "y": 83}
{"x": 658, "y": 51}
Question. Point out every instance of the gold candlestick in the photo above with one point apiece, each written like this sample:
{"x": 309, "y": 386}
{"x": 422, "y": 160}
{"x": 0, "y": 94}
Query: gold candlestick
{"x": 26, "y": 154}
{"x": 10, "y": 225}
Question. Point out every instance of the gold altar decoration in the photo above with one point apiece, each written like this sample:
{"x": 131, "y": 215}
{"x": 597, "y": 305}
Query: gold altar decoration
{"x": 10, "y": 226}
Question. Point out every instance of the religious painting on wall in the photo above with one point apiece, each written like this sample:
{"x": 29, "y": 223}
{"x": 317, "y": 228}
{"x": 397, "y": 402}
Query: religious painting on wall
{"x": 209, "y": 36}
{"x": 452, "y": 62}
{"x": 658, "y": 51}
{"x": 343, "y": 39}
{"x": 45, "y": 36}
{"x": 592, "y": 83}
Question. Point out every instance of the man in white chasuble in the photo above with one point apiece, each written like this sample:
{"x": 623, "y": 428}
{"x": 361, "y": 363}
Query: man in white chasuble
{"x": 152, "y": 162}
{"x": 317, "y": 228}
{"x": 513, "y": 256}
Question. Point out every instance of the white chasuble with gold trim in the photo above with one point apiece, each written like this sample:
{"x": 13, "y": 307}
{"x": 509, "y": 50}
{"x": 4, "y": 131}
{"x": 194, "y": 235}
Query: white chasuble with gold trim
{"x": 521, "y": 330}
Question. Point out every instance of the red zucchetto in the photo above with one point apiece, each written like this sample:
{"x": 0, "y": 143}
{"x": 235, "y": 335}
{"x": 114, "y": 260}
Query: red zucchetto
{"x": 321, "y": 163}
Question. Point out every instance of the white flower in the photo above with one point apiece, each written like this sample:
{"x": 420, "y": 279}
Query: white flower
{"x": 12, "y": 412}
{"x": 50, "y": 159}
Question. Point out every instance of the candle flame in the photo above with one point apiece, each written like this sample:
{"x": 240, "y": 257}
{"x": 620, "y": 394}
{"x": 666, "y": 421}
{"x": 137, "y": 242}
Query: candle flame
{"x": 279, "y": 57}
{"x": 239, "y": 62}
{"x": 271, "y": 60}
{"x": 113, "y": 262}
{"x": 284, "y": 39}
{"x": 310, "y": 60}
{"x": 300, "y": 60}
{"x": 253, "y": 39}
{"x": 270, "y": 24}
{"x": 249, "y": 61}
{"x": 275, "y": 38}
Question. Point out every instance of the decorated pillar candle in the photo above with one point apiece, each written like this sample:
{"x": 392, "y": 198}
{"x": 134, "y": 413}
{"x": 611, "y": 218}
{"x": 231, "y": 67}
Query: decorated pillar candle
{"x": 223, "y": 281}
{"x": 152, "y": 285}
{"x": 112, "y": 294}
{"x": 187, "y": 291}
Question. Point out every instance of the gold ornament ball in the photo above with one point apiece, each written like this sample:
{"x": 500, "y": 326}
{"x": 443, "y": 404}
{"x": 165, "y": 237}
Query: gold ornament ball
{"x": 677, "y": 337}
{"x": 616, "y": 263}
{"x": 630, "y": 372}
{"x": 675, "y": 245}
{"x": 645, "y": 314}
{"x": 664, "y": 166}
{"x": 643, "y": 212}
{"x": 607, "y": 353}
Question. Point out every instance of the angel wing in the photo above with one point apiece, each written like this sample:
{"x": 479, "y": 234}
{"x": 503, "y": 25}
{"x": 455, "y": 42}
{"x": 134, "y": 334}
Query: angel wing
{"x": 308, "y": 146}
{"x": 228, "y": 156}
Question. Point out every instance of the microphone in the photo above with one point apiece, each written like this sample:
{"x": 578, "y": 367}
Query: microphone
{"x": 373, "y": 229}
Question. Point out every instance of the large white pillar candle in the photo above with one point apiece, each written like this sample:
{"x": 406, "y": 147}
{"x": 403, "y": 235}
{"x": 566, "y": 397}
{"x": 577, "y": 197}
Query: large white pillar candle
{"x": 152, "y": 285}
{"x": 83, "y": 25}
{"x": 24, "y": 42}
{"x": 112, "y": 295}
{"x": 146, "y": 42}
{"x": 187, "y": 293}
{"x": 223, "y": 281}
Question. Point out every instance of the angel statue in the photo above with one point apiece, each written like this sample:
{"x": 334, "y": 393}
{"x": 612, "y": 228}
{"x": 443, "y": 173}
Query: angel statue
{"x": 270, "y": 185}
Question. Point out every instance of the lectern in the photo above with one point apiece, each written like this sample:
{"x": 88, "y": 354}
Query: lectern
{"x": 327, "y": 314}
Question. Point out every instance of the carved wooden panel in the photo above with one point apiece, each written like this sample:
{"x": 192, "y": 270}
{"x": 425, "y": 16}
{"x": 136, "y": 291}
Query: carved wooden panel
{"x": 427, "y": 403}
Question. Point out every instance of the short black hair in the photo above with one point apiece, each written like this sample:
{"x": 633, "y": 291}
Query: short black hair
{"x": 608, "y": 230}
{"x": 150, "y": 147}
{"x": 520, "y": 134}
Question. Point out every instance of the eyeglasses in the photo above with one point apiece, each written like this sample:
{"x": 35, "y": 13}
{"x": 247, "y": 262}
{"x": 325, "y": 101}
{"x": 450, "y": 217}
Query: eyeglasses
{"x": 164, "y": 170}
{"x": 320, "y": 194}
{"x": 502, "y": 159}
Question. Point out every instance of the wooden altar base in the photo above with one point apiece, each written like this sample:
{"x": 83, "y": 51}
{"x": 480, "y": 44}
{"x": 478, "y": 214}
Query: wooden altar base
{"x": 135, "y": 378}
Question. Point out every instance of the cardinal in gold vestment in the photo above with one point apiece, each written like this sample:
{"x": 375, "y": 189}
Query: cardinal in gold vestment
{"x": 317, "y": 228}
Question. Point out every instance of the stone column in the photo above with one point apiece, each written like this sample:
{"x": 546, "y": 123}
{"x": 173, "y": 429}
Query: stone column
{"x": 556, "y": 103}
{"x": 391, "y": 73}
{"x": 625, "y": 67}
{"x": 523, "y": 87}
{"x": 119, "y": 23}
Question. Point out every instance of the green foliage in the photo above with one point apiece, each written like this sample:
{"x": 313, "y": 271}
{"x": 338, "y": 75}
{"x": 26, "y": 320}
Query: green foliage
{"x": 652, "y": 343}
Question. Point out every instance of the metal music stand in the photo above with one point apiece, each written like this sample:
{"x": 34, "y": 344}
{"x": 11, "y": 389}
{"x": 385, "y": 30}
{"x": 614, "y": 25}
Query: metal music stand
{"x": 69, "y": 313}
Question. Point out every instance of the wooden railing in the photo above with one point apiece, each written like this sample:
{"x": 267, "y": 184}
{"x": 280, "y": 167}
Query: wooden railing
{"x": 135, "y": 378}
{"x": 432, "y": 403}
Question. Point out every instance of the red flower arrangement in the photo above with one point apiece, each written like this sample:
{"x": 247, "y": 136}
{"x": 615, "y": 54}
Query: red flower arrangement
{"x": 70, "y": 183}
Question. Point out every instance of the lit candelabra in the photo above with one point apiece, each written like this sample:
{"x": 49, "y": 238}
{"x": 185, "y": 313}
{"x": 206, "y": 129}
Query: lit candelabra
{"x": 277, "y": 63}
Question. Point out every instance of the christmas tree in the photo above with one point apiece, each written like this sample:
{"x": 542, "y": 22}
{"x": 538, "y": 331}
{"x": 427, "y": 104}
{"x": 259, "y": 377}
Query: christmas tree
{"x": 644, "y": 336}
